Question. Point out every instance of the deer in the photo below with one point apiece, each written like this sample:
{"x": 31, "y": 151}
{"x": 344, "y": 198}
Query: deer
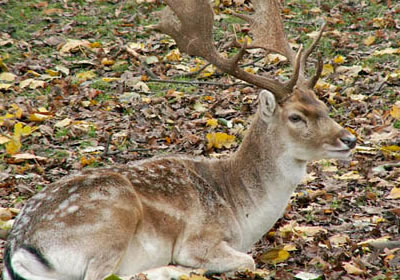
{"x": 170, "y": 215}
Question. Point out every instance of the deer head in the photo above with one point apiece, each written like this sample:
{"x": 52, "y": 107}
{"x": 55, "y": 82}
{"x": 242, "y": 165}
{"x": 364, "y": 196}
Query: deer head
{"x": 303, "y": 118}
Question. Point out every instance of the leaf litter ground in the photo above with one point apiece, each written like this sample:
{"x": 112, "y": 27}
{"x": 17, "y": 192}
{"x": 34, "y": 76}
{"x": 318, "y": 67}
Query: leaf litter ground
{"x": 79, "y": 89}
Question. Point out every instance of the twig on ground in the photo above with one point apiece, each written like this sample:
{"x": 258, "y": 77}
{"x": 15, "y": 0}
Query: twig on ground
{"x": 148, "y": 70}
{"x": 107, "y": 145}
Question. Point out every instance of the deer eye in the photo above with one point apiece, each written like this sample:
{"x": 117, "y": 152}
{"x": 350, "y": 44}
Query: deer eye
{"x": 294, "y": 118}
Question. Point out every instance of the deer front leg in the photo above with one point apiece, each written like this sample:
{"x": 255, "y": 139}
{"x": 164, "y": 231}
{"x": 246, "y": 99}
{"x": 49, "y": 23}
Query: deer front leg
{"x": 215, "y": 259}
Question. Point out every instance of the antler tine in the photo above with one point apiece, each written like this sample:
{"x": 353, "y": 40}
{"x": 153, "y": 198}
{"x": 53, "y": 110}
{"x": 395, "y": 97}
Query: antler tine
{"x": 296, "y": 72}
{"x": 311, "y": 48}
{"x": 318, "y": 66}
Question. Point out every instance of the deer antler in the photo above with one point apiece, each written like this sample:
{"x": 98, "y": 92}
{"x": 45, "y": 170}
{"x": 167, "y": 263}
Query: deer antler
{"x": 190, "y": 23}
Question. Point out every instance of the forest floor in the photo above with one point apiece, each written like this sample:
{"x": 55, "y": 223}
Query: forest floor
{"x": 80, "y": 88}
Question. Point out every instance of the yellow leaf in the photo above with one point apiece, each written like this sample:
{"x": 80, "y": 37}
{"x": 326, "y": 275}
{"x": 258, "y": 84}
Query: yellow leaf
{"x": 369, "y": 40}
{"x": 392, "y": 148}
{"x": 394, "y": 193}
{"x": 173, "y": 55}
{"x": 395, "y": 112}
{"x": 7, "y": 77}
{"x": 219, "y": 140}
{"x": 37, "y": 117}
{"x": 87, "y": 161}
{"x": 274, "y": 256}
{"x": 212, "y": 122}
{"x": 52, "y": 72}
{"x": 18, "y": 111}
{"x": 339, "y": 59}
{"x": 87, "y": 75}
{"x": 107, "y": 62}
{"x": 95, "y": 45}
{"x": 327, "y": 69}
{"x": 14, "y": 146}
{"x": 352, "y": 269}
{"x": 110, "y": 79}
{"x": 290, "y": 247}
{"x": 34, "y": 73}
{"x": 3, "y": 66}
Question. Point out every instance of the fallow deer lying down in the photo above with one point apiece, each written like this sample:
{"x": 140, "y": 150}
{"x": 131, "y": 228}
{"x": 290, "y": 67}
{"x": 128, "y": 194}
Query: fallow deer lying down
{"x": 167, "y": 215}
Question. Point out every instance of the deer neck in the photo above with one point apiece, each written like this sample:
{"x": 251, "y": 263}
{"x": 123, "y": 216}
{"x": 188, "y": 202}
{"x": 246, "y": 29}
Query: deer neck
{"x": 262, "y": 176}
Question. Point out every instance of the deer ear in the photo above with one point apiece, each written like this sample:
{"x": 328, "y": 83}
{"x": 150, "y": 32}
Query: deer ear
{"x": 266, "y": 104}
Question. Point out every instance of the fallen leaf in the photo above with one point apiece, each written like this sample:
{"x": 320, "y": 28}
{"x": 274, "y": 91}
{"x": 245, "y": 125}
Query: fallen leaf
{"x": 212, "y": 122}
{"x": 219, "y": 140}
{"x": 327, "y": 69}
{"x": 369, "y": 40}
{"x": 339, "y": 59}
{"x": 395, "y": 112}
{"x": 107, "y": 62}
{"x": 13, "y": 146}
{"x": 274, "y": 256}
{"x": 173, "y": 55}
{"x": 7, "y": 77}
{"x": 339, "y": 239}
{"x": 387, "y": 51}
{"x": 394, "y": 193}
{"x": 307, "y": 276}
{"x": 352, "y": 269}
{"x": 4, "y": 139}
{"x": 85, "y": 76}
{"x": 28, "y": 156}
{"x": 73, "y": 45}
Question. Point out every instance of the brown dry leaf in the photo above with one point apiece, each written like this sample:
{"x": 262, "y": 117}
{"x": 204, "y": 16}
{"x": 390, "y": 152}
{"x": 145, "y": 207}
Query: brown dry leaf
{"x": 219, "y": 140}
{"x": 32, "y": 83}
{"x": 5, "y": 214}
{"x": 274, "y": 256}
{"x": 73, "y": 45}
{"x": 352, "y": 269}
{"x": 387, "y": 51}
{"x": 63, "y": 123}
{"x": 53, "y": 11}
{"x": 339, "y": 239}
{"x": 309, "y": 230}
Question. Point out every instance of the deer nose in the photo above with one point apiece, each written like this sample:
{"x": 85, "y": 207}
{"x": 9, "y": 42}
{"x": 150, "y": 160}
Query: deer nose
{"x": 349, "y": 140}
